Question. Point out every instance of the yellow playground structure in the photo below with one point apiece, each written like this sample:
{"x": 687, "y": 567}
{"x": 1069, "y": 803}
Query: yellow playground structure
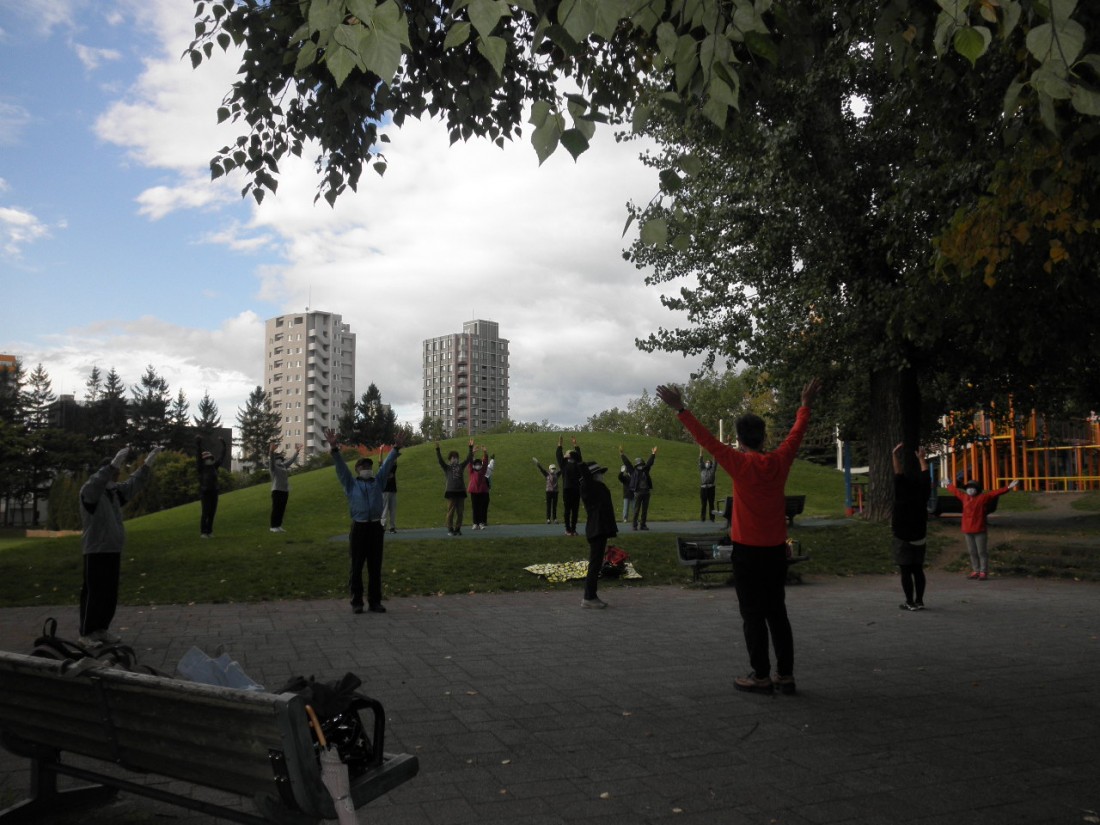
{"x": 1046, "y": 455}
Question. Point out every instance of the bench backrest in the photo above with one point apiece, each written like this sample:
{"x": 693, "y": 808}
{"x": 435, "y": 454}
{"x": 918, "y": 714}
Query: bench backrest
{"x": 212, "y": 736}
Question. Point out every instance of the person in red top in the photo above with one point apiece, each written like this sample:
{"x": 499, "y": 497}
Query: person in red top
{"x": 758, "y": 529}
{"x": 975, "y": 525}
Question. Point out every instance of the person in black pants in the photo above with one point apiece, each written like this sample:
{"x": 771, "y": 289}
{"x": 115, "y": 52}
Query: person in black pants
{"x": 641, "y": 484}
{"x": 599, "y": 527}
{"x": 909, "y": 525}
{"x": 570, "y": 464}
{"x": 208, "y": 485}
{"x": 706, "y": 488}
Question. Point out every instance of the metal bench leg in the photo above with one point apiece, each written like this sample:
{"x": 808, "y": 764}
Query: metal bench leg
{"x": 45, "y": 798}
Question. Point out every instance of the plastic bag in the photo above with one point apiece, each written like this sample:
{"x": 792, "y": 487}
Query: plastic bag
{"x": 196, "y": 666}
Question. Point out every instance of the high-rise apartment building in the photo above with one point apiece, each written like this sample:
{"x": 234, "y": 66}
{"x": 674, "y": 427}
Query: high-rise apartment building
{"x": 466, "y": 378}
{"x": 309, "y": 372}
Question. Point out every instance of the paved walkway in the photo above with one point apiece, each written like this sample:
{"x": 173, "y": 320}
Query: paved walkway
{"x": 526, "y": 710}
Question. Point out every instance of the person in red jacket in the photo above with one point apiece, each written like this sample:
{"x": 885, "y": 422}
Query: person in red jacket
{"x": 975, "y": 525}
{"x": 758, "y": 528}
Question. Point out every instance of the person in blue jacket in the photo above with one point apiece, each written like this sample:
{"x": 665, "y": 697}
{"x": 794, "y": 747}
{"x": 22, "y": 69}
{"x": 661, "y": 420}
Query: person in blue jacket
{"x": 364, "y": 494}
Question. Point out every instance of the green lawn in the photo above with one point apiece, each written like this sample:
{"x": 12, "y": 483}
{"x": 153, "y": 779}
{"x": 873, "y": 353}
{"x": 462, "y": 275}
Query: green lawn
{"x": 165, "y": 562}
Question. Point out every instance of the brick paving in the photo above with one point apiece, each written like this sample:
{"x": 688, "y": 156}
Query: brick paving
{"x": 526, "y": 710}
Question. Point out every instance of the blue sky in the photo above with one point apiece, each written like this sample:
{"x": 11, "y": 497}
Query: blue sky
{"x": 116, "y": 249}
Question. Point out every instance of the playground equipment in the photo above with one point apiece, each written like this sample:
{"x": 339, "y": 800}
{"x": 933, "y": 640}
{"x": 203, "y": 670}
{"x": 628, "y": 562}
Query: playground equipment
{"x": 1046, "y": 455}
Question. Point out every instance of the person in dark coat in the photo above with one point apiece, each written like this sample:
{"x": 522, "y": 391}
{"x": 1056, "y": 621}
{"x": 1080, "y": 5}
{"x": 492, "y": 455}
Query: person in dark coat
{"x": 208, "y": 485}
{"x": 909, "y": 525}
{"x": 570, "y": 465}
{"x": 641, "y": 485}
{"x": 599, "y": 527}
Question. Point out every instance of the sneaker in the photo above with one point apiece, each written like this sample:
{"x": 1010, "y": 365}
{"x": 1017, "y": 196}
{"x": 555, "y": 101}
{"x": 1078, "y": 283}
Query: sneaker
{"x": 548, "y": 521}
{"x": 594, "y": 603}
{"x": 753, "y": 685}
{"x": 101, "y": 637}
{"x": 357, "y": 608}
{"x": 451, "y": 533}
{"x": 89, "y": 641}
{"x": 907, "y": 606}
{"x": 643, "y": 527}
{"x": 974, "y": 575}
{"x": 784, "y": 684}
{"x": 983, "y": 576}
{"x": 393, "y": 529}
{"x": 376, "y": 608}
{"x": 918, "y": 606}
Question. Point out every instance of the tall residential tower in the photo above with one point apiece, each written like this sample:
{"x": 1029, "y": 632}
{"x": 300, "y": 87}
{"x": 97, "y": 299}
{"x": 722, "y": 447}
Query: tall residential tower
{"x": 309, "y": 372}
{"x": 466, "y": 379}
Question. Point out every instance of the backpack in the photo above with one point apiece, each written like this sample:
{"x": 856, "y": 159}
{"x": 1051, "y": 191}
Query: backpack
{"x": 614, "y": 562}
{"x": 78, "y": 658}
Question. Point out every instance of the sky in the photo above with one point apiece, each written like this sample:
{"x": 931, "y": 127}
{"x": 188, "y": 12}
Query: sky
{"x": 118, "y": 251}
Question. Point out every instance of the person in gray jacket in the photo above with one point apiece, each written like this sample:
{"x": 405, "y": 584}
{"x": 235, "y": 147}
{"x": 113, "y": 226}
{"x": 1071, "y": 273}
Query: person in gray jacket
{"x": 280, "y": 466}
{"x": 101, "y": 501}
{"x": 455, "y": 490}
{"x": 706, "y": 487}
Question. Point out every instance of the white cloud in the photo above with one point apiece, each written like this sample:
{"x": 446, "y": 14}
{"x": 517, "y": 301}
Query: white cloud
{"x": 93, "y": 57}
{"x": 18, "y": 228}
{"x": 13, "y": 120}
{"x": 449, "y": 234}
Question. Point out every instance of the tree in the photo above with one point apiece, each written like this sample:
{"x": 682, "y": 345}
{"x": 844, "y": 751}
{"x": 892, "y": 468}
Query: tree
{"x": 377, "y": 422}
{"x": 13, "y": 437}
{"x": 111, "y": 415}
{"x": 93, "y": 386}
{"x": 208, "y": 418}
{"x": 259, "y": 427}
{"x": 149, "y": 414}
{"x": 808, "y": 234}
{"x": 37, "y": 399}
{"x": 332, "y": 72}
{"x": 179, "y": 417}
{"x": 432, "y": 428}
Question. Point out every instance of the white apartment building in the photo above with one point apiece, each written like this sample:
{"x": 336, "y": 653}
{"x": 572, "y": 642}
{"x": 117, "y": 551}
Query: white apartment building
{"x": 309, "y": 372}
{"x": 466, "y": 378}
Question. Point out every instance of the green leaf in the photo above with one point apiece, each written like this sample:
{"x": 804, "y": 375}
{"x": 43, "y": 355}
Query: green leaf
{"x": 495, "y": 50}
{"x": 667, "y": 41}
{"x": 1086, "y": 100}
{"x": 575, "y": 142}
{"x": 1049, "y": 81}
{"x": 715, "y": 111}
{"x": 670, "y": 181}
{"x": 380, "y": 168}
{"x": 362, "y": 9}
{"x": 654, "y": 232}
{"x": 972, "y": 41}
{"x": 325, "y": 15}
{"x": 629, "y": 221}
{"x": 719, "y": 90}
{"x": 458, "y": 34}
{"x": 639, "y": 117}
{"x": 1063, "y": 41}
{"x": 307, "y": 56}
{"x": 340, "y": 61}
{"x": 1012, "y": 11}
{"x": 958, "y": 11}
{"x": 608, "y": 15}
{"x": 545, "y": 139}
{"x": 578, "y": 18}
{"x": 1012, "y": 98}
{"x": 223, "y": 114}
{"x": 691, "y": 165}
{"x": 540, "y": 111}
{"x": 484, "y": 14}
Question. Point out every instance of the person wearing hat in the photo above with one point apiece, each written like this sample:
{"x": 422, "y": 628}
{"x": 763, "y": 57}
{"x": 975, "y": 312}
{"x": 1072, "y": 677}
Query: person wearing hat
{"x": 599, "y": 527}
{"x": 280, "y": 465}
{"x": 641, "y": 485}
{"x": 975, "y": 526}
{"x": 628, "y": 495}
{"x": 758, "y": 529}
{"x": 102, "y": 539}
{"x": 570, "y": 464}
{"x": 208, "y": 485}
{"x": 551, "y": 475}
{"x": 365, "y": 539}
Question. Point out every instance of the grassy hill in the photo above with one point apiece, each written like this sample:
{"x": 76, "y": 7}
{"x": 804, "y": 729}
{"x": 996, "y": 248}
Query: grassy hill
{"x": 166, "y": 562}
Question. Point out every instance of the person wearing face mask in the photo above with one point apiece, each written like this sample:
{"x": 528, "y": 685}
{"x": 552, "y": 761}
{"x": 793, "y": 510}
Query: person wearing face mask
{"x": 975, "y": 525}
{"x": 551, "y": 475}
{"x": 641, "y": 485}
{"x": 101, "y": 501}
{"x": 625, "y": 478}
{"x": 366, "y": 537}
{"x": 706, "y": 488}
{"x": 455, "y": 490}
{"x": 478, "y": 488}
{"x": 208, "y": 485}
{"x": 599, "y": 527}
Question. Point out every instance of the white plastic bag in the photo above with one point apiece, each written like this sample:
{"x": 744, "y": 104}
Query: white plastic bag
{"x": 196, "y": 666}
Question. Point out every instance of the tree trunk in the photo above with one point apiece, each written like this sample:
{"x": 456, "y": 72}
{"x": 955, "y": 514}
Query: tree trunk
{"x": 894, "y": 417}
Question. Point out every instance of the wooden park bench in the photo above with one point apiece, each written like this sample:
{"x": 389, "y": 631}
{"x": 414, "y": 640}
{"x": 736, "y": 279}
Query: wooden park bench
{"x": 795, "y": 505}
{"x": 711, "y": 554}
{"x": 253, "y": 744}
